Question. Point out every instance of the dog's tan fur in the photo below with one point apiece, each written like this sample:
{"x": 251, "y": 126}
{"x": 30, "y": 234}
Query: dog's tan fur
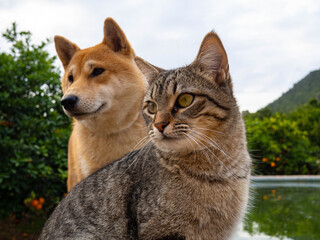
{"x": 107, "y": 122}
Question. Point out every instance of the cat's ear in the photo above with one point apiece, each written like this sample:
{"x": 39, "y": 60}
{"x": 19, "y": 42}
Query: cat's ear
{"x": 65, "y": 49}
{"x": 115, "y": 38}
{"x": 212, "y": 58}
{"x": 148, "y": 70}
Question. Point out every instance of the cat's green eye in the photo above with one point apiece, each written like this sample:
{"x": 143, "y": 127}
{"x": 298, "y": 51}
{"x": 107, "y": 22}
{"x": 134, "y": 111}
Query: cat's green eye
{"x": 185, "y": 100}
{"x": 152, "y": 107}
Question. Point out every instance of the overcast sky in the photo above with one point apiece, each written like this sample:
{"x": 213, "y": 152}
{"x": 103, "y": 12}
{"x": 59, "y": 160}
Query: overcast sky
{"x": 271, "y": 44}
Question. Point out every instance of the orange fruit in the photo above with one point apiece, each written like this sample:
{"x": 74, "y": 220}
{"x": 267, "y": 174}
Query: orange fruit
{"x": 38, "y": 207}
{"x": 41, "y": 200}
{"x": 34, "y": 202}
{"x": 272, "y": 164}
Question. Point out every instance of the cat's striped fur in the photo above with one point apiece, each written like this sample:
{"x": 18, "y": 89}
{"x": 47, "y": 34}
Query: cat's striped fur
{"x": 189, "y": 182}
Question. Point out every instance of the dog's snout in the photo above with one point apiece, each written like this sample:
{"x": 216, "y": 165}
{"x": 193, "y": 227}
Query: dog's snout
{"x": 69, "y": 102}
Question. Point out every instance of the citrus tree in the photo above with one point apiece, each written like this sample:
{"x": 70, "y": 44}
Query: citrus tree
{"x": 285, "y": 144}
{"x": 33, "y": 128}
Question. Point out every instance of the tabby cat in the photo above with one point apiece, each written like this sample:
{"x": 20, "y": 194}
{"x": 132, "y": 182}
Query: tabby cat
{"x": 190, "y": 181}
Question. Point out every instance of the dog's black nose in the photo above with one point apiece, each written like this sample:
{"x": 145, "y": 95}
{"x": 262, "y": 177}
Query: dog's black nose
{"x": 69, "y": 102}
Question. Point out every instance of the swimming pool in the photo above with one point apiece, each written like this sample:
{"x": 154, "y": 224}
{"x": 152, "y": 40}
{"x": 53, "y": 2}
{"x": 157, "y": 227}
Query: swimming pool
{"x": 282, "y": 210}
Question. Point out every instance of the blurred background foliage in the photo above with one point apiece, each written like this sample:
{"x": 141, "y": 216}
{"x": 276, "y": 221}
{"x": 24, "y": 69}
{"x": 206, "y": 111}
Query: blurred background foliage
{"x": 282, "y": 143}
{"x": 34, "y": 130}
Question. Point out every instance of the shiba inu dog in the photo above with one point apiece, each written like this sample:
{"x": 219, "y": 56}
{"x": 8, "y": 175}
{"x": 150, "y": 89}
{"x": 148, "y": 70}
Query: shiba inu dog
{"x": 103, "y": 91}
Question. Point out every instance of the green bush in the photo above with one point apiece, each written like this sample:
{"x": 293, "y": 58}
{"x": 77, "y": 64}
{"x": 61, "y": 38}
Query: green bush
{"x": 285, "y": 144}
{"x": 308, "y": 118}
{"x": 34, "y": 130}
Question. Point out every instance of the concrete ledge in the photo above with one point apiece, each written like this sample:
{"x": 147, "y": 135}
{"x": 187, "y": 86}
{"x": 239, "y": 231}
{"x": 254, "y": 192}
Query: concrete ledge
{"x": 292, "y": 178}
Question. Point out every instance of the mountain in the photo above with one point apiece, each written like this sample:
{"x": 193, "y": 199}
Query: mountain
{"x": 299, "y": 94}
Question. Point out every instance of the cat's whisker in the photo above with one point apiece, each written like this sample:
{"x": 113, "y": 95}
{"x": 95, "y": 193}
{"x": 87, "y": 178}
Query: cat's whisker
{"x": 145, "y": 152}
{"x": 222, "y": 165}
{"x": 210, "y": 130}
{"x": 194, "y": 138}
{"x": 141, "y": 152}
{"x": 203, "y": 127}
{"x": 231, "y": 162}
{"x": 233, "y": 165}
{"x": 212, "y": 143}
{"x": 202, "y": 136}
{"x": 194, "y": 150}
{"x": 151, "y": 133}
{"x": 140, "y": 144}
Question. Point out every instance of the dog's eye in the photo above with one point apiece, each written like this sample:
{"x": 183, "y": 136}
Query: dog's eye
{"x": 70, "y": 78}
{"x": 97, "y": 72}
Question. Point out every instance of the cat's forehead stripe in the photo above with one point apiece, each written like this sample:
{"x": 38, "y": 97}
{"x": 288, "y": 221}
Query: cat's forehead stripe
{"x": 158, "y": 87}
{"x": 162, "y": 83}
{"x": 167, "y": 80}
{"x": 153, "y": 91}
{"x": 174, "y": 87}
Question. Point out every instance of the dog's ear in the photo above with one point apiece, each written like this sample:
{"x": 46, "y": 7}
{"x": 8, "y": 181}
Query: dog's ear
{"x": 115, "y": 38}
{"x": 212, "y": 59}
{"x": 148, "y": 70}
{"x": 65, "y": 49}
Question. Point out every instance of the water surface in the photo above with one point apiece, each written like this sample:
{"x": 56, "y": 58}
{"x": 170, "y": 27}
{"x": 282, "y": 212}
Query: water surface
{"x": 282, "y": 211}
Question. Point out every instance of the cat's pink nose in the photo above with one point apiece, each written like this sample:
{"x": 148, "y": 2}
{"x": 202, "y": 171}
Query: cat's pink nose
{"x": 161, "y": 126}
